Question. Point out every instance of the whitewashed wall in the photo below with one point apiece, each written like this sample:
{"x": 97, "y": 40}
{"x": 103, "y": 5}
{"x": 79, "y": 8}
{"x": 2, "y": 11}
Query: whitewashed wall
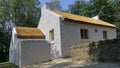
{"x": 70, "y": 35}
{"x": 14, "y": 50}
{"x": 48, "y": 21}
{"x": 28, "y": 51}
{"x": 34, "y": 51}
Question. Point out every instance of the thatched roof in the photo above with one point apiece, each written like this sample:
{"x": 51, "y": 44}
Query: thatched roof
{"x": 29, "y": 33}
{"x": 82, "y": 19}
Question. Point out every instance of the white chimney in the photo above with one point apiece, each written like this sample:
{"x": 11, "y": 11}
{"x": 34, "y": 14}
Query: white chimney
{"x": 44, "y": 8}
{"x": 96, "y": 17}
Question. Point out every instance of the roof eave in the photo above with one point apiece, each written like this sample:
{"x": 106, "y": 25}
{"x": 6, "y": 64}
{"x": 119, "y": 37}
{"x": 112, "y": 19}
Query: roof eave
{"x": 83, "y": 22}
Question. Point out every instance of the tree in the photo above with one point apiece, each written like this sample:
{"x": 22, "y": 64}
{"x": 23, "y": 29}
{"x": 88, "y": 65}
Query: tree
{"x": 25, "y": 12}
{"x": 20, "y": 12}
{"x": 118, "y": 18}
{"x": 106, "y": 9}
{"x": 3, "y": 11}
{"x": 76, "y": 7}
{"x": 54, "y": 5}
{"x": 4, "y": 46}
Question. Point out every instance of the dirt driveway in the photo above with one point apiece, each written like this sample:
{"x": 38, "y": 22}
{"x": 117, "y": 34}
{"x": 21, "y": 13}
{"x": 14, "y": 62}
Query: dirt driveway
{"x": 68, "y": 63}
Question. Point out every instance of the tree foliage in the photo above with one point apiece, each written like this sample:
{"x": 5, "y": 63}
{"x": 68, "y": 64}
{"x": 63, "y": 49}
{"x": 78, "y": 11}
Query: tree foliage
{"x": 54, "y": 5}
{"x": 25, "y": 12}
{"x": 106, "y": 9}
{"x": 76, "y": 7}
{"x": 22, "y": 13}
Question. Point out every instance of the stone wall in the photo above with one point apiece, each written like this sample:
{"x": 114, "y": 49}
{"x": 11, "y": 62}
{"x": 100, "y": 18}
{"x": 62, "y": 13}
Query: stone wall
{"x": 80, "y": 52}
{"x": 103, "y": 51}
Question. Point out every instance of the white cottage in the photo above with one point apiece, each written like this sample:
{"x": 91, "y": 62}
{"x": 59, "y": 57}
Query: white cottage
{"x": 28, "y": 46}
{"x": 56, "y": 33}
{"x": 64, "y": 30}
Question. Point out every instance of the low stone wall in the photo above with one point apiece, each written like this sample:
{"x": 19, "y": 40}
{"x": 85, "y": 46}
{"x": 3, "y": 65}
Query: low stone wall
{"x": 103, "y": 51}
{"x": 80, "y": 53}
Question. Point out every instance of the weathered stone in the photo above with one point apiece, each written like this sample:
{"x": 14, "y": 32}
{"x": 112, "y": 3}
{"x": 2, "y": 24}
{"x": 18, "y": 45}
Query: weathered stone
{"x": 105, "y": 51}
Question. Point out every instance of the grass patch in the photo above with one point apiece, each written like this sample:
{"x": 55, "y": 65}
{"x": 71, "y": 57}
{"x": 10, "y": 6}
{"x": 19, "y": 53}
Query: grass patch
{"x": 7, "y": 65}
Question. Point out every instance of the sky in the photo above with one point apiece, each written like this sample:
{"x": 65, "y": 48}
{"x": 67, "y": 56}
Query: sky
{"x": 64, "y": 3}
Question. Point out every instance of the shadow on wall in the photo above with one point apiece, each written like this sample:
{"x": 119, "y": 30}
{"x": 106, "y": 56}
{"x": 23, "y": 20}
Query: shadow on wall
{"x": 102, "y": 51}
{"x": 105, "y": 51}
{"x": 55, "y": 53}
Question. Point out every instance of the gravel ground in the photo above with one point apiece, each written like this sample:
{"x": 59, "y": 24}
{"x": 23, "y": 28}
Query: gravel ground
{"x": 68, "y": 63}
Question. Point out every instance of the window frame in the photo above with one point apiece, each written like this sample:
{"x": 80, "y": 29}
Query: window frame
{"x": 105, "y": 34}
{"x": 96, "y": 30}
{"x": 51, "y": 35}
{"x": 84, "y": 33}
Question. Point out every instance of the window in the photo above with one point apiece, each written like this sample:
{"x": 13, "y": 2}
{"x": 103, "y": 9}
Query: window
{"x": 51, "y": 35}
{"x": 84, "y": 33}
{"x": 105, "y": 35}
{"x": 96, "y": 30}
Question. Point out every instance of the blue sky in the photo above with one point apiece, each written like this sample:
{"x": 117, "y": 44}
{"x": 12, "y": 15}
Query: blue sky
{"x": 64, "y": 3}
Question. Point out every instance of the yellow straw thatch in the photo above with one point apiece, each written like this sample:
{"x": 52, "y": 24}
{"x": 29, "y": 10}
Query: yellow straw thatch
{"x": 29, "y": 33}
{"x": 86, "y": 20}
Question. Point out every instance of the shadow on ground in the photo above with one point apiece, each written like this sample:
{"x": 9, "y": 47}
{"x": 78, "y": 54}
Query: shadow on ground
{"x": 85, "y": 65}
{"x": 62, "y": 65}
